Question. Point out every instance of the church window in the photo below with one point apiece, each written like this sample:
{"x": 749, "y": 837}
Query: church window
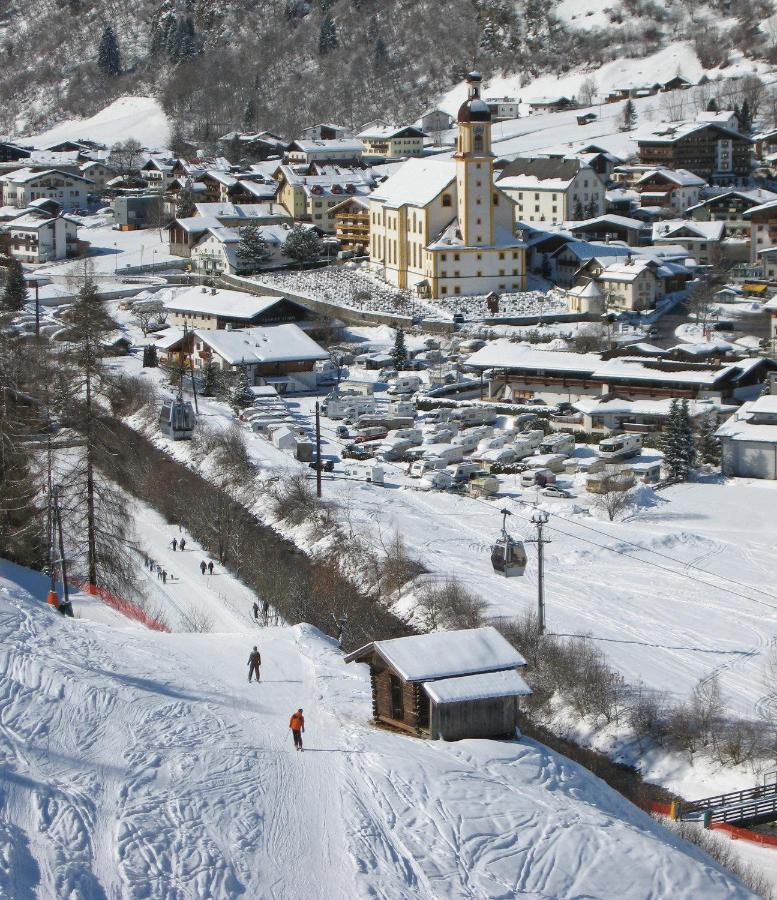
{"x": 456, "y": 256}
{"x": 456, "y": 289}
{"x": 446, "y": 199}
{"x": 443, "y": 290}
{"x": 479, "y": 255}
{"x": 496, "y": 199}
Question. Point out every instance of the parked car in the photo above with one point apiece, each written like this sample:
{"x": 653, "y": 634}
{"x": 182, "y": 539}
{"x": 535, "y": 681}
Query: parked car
{"x": 358, "y": 451}
{"x": 326, "y": 465}
{"x": 386, "y": 374}
{"x": 342, "y": 431}
{"x": 553, "y": 491}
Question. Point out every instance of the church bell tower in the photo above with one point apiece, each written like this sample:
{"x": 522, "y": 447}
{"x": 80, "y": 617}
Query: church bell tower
{"x": 475, "y": 167}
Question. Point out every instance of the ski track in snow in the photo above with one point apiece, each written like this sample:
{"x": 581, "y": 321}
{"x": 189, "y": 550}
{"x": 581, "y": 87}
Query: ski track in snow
{"x": 143, "y": 765}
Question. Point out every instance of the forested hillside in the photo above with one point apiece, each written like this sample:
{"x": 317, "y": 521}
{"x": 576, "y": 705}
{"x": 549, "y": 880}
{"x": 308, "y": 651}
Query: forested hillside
{"x": 278, "y": 64}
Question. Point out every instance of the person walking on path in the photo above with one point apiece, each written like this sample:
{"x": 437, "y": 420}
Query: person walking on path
{"x": 210, "y": 567}
{"x": 297, "y": 725}
{"x": 254, "y": 661}
{"x": 174, "y": 544}
{"x": 164, "y": 576}
{"x": 182, "y": 544}
{"x": 203, "y": 566}
{"x": 256, "y": 610}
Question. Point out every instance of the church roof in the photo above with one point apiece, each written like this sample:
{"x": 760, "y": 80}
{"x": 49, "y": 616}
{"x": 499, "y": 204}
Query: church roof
{"x": 417, "y": 182}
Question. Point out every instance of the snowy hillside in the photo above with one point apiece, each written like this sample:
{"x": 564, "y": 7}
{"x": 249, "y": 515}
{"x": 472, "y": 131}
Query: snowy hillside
{"x": 138, "y": 764}
{"x": 141, "y": 118}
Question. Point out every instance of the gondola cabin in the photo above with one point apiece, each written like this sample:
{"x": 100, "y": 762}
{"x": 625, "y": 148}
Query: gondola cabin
{"x": 177, "y": 419}
{"x": 447, "y": 685}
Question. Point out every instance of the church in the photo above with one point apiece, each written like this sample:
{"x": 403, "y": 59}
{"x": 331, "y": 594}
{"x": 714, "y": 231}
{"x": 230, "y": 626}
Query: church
{"x": 441, "y": 226}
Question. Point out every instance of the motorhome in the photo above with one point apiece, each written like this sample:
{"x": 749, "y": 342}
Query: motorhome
{"x": 465, "y": 471}
{"x": 474, "y": 415}
{"x": 620, "y": 446}
{"x": 405, "y": 384}
{"x": 402, "y": 408}
{"x": 370, "y": 434}
{"x": 553, "y": 461}
{"x": 392, "y": 451}
{"x": 443, "y": 414}
{"x": 466, "y": 441}
{"x": 522, "y": 449}
{"x": 371, "y": 420}
{"x": 364, "y": 388}
{"x": 436, "y": 481}
{"x": 558, "y": 443}
{"x": 443, "y": 436}
{"x": 533, "y": 438}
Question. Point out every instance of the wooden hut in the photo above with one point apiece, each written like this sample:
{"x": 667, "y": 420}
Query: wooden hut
{"x": 449, "y": 685}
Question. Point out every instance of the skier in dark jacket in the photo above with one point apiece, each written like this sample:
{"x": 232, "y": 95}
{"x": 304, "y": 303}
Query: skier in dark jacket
{"x": 203, "y": 566}
{"x": 210, "y": 567}
{"x": 182, "y": 543}
{"x": 254, "y": 661}
{"x": 174, "y": 544}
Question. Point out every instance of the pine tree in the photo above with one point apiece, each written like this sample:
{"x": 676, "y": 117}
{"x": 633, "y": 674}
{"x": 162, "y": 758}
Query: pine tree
{"x": 399, "y": 352}
{"x": 150, "y": 360}
{"x": 184, "y": 204}
{"x": 677, "y": 441}
{"x": 707, "y": 445}
{"x": 252, "y": 250}
{"x": 241, "y": 395}
{"x": 687, "y": 442}
{"x": 303, "y": 245}
{"x": 108, "y": 57}
{"x": 629, "y": 116}
{"x": 590, "y": 209}
{"x": 745, "y": 116}
{"x": 712, "y": 106}
{"x": 15, "y": 294}
{"x": 579, "y": 212}
{"x": 249, "y": 114}
{"x": 327, "y": 37}
{"x": 381, "y": 54}
{"x": 210, "y": 379}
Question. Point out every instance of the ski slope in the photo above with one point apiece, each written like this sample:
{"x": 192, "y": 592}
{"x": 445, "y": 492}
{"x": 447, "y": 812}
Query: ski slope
{"x": 137, "y": 764}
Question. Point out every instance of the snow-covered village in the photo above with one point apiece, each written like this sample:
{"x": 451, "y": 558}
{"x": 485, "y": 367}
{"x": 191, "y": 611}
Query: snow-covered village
{"x": 388, "y": 450}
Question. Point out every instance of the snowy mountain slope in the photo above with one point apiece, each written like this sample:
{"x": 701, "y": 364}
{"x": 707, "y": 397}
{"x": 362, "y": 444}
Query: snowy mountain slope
{"x": 141, "y": 118}
{"x": 138, "y": 764}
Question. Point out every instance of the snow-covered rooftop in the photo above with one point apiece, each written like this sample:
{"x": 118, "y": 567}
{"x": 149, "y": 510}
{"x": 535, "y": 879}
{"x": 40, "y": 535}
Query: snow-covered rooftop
{"x": 487, "y": 686}
{"x": 447, "y": 654}
{"x": 416, "y": 183}
{"x": 251, "y": 346}
{"x": 228, "y": 304}
{"x": 504, "y": 354}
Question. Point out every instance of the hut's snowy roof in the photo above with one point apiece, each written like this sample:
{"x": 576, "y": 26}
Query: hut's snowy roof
{"x": 447, "y": 654}
{"x": 486, "y": 686}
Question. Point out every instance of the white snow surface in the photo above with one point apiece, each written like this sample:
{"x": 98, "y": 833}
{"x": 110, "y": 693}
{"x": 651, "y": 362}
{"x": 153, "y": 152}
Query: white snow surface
{"x": 138, "y": 764}
{"x": 141, "y": 118}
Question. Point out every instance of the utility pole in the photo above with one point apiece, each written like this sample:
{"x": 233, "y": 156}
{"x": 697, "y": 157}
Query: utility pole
{"x": 318, "y": 450}
{"x": 191, "y": 366}
{"x": 37, "y": 309}
{"x": 539, "y": 519}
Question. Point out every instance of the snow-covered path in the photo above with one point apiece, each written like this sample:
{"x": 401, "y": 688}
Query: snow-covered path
{"x": 143, "y": 765}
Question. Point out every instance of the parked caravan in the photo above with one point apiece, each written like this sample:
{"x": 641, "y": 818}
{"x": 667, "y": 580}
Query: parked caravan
{"x": 344, "y": 406}
{"x": 467, "y": 441}
{"x": 444, "y": 436}
{"x": 537, "y": 478}
{"x": 558, "y": 443}
{"x": 534, "y": 438}
{"x": 474, "y": 415}
{"x": 428, "y": 464}
{"x": 394, "y": 450}
{"x": 553, "y": 461}
{"x": 405, "y": 384}
{"x": 406, "y": 434}
{"x": 621, "y": 446}
{"x": 372, "y": 420}
{"x": 464, "y": 471}
{"x": 443, "y": 414}
{"x": 522, "y": 449}
{"x": 364, "y": 388}
{"x": 402, "y": 408}
{"x": 370, "y": 434}
{"x": 436, "y": 481}
{"x": 500, "y": 456}
{"x": 449, "y": 452}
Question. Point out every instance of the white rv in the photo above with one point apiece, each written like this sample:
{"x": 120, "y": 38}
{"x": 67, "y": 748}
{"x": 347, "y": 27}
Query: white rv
{"x": 405, "y": 384}
{"x": 558, "y": 443}
{"x": 621, "y": 446}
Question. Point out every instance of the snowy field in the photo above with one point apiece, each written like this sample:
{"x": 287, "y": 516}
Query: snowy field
{"x": 137, "y": 764}
{"x": 141, "y": 118}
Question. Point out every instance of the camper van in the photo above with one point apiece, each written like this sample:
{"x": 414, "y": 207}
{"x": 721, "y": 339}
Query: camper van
{"x": 364, "y": 388}
{"x": 465, "y": 471}
{"x": 437, "y": 427}
{"x": 405, "y": 384}
{"x": 370, "y": 434}
{"x": 533, "y": 438}
{"x": 402, "y": 408}
{"x": 443, "y": 436}
{"x": 621, "y": 446}
{"x": 436, "y": 481}
{"x": 392, "y": 451}
{"x": 492, "y": 443}
{"x": 428, "y": 464}
{"x": 558, "y": 443}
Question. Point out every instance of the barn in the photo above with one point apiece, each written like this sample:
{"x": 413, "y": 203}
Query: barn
{"x": 447, "y": 685}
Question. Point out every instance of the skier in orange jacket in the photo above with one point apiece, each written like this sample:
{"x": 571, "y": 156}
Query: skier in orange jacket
{"x": 297, "y": 725}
